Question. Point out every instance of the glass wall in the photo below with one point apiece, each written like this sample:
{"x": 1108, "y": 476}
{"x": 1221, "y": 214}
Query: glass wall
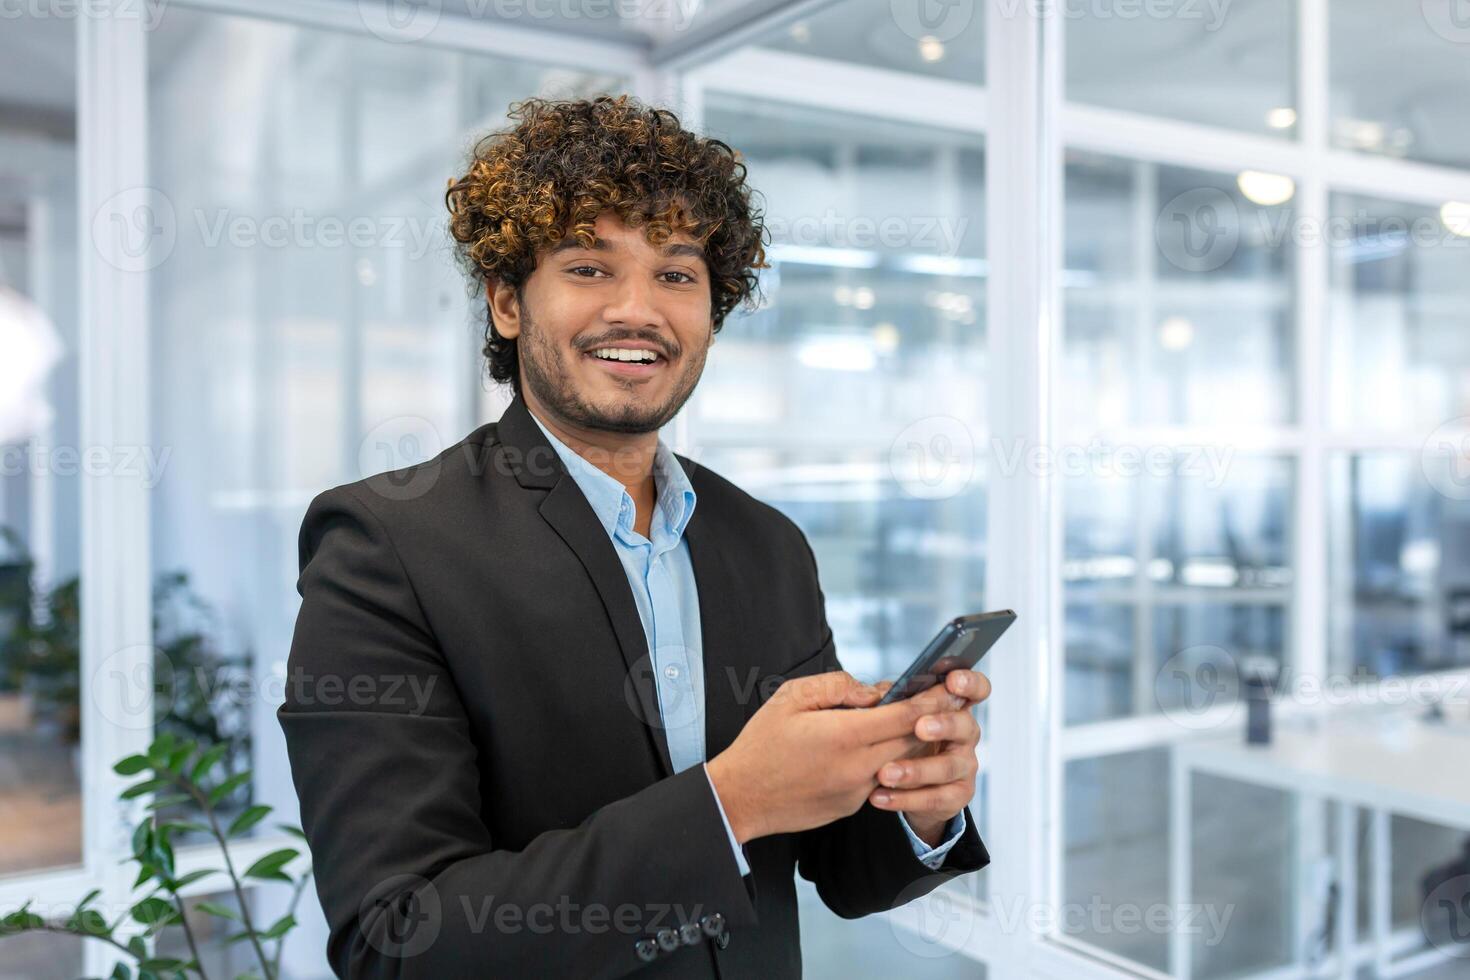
{"x": 1241, "y": 508}
{"x": 41, "y": 459}
{"x": 853, "y": 399}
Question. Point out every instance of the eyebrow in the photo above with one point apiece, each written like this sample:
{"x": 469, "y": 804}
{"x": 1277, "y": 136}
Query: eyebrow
{"x": 603, "y": 245}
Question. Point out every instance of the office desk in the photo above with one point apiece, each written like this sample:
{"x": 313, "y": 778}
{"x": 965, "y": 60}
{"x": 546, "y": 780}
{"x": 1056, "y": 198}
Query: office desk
{"x": 1386, "y": 765}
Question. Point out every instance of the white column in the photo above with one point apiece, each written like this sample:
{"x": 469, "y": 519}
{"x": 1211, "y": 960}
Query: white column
{"x": 1024, "y": 248}
{"x": 121, "y": 224}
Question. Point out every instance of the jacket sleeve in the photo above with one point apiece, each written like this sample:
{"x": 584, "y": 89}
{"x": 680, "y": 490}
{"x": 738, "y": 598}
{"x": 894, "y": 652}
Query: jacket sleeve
{"x": 383, "y": 759}
{"x": 865, "y": 863}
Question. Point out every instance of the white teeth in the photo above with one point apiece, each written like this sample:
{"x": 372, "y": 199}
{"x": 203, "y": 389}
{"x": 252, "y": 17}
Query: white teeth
{"x": 625, "y": 354}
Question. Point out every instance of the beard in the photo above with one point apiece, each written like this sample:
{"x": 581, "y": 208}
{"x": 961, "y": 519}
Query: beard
{"x": 545, "y": 371}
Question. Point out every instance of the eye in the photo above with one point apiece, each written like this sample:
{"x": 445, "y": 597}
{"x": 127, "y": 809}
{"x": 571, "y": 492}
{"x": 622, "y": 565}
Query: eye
{"x": 687, "y": 276}
{"x": 579, "y": 269}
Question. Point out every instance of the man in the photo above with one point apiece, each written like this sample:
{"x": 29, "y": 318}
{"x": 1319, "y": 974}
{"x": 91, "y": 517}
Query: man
{"x": 560, "y": 702}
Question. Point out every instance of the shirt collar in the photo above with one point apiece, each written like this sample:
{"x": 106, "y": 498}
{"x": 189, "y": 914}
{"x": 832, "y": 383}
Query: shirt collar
{"x": 614, "y": 506}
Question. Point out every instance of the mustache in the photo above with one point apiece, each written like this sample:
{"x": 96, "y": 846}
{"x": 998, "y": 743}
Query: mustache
{"x": 666, "y": 347}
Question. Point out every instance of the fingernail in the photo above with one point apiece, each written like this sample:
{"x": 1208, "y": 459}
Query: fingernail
{"x": 962, "y": 681}
{"x": 881, "y": 799}
{"x": 892, "y": 774}
{"x": 933, "y": 726}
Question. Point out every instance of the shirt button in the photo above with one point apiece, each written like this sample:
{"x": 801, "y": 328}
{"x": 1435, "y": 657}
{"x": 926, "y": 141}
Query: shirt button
{"x": 646, "y": 949}
{"x": 667, "y": 939}
{"x": 672, "y": 672}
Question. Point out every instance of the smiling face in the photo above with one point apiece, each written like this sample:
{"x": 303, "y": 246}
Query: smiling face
{"x": 614, "y": 337}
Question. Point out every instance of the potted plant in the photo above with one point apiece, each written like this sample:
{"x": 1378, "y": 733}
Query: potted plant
{"x": 174, "y": 771}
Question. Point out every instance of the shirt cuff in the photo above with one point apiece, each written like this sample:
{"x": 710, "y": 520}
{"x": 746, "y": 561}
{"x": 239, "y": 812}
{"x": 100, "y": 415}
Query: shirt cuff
{"x": 933, "y": 857}
{"x": 740, "y": 861}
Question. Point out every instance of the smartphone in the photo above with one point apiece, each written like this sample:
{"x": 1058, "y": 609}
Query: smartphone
{"x": 961, "y": 643}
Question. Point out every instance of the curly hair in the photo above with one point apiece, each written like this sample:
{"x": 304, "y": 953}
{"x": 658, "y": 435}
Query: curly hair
{"x": 564, "y": 163}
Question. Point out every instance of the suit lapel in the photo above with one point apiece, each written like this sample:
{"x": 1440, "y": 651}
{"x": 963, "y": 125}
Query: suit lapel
{"x": 535, "y": 464}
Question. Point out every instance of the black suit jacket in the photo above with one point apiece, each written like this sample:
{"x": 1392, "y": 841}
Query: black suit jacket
{"x": 467, "y": 715}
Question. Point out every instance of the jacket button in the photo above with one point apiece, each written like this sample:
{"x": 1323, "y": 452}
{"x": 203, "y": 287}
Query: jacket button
{"x": 668, "y": 939}
{"x": 690, "y": 933}
{"x": 712, "y": 924}
{"x": 646, "y": 950}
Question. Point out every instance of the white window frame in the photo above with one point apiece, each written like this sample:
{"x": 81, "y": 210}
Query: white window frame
{"x": 1028, "y": 125}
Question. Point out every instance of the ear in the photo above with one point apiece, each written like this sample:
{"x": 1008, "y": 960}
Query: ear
{"x": 505, "y": 308}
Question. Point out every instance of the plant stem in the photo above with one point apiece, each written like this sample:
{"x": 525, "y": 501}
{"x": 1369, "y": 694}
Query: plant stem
{"x": 189, "y": 935}
{"x": 224, "y": 846}
{"x": 290, "y": 910}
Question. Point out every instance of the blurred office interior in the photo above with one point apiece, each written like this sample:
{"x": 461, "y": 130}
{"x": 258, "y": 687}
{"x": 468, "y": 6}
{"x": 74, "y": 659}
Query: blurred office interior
{"x": 1151, "y": 321}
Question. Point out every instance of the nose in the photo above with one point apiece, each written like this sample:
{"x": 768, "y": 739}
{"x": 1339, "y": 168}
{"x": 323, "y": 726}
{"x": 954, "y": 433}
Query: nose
{"x": 633, "y": 304}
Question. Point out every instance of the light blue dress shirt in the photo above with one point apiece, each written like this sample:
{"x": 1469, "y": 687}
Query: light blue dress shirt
{"x": 661, "y": 575}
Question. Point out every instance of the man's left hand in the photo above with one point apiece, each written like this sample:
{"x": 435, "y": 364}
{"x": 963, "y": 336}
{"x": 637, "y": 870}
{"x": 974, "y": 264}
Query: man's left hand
{"x": 937, "y": 784}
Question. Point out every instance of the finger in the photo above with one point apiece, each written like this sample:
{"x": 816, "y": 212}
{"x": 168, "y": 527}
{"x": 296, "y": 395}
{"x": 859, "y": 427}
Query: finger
{"x": 862, "y": 696}
{"x": 951, "y": 726}
{"x": 949, "y": 798}
{"x": 934, "y": 770}
{"x": 971, "y": 685}
{"x": 819, "y": 691}
{"x": 892, "y": 720}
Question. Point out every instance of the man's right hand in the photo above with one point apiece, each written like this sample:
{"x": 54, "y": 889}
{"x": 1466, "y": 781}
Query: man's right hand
{"x": 798, "y": 763}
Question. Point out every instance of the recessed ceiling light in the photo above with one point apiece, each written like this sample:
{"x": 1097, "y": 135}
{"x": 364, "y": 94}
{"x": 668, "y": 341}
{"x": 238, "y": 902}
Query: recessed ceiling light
{"x": 1282, "y": 117}
{"x": 800, "y": 32}
{"x": 931, "y": 49}
{"x": 1176, "y": 333}
{"x": 1456, "y": 217}
{"x": 1265, "y": 189}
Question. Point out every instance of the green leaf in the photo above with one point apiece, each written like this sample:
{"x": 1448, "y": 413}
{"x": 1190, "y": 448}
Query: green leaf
{"x": 172, "y": 799}
{"x": 88, "y": 900}
{"x": 179, "y": 756}
{"x": 238, "y": 937}
{"x": 217, "y": 910}
{"x": 152, "y": 911}
{"x": 145, "y": 871}
{"x": 293, "y": 831}
{"x": 121, "y": 972}
{"x": 161, "y": 963}
{"x": 161, "y": 747}
{"x": 228, "y": 786}
{"x": 138, "y": 947}
{"x": 270, "y": 865}
{"x": 146, "y": 786}
{"x": 246, "y": 820}
{"x": 208, "y": 760}
{"x": 178, "y": 826}
{"x": 131, "y": 766}
{"x": 91, "y": 922}
{"x": 280, "y": 927}
{"x": 142, "y": 837}
{"x": 194, "y": 876}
